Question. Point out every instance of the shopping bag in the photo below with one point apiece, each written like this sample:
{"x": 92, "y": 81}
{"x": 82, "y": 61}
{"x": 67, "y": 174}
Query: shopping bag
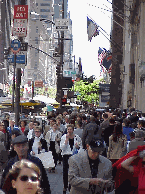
{"x": 47, "y": 159}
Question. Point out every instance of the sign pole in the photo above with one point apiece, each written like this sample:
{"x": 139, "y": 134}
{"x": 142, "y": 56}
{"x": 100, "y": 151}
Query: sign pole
{"x": 14, "y": 66}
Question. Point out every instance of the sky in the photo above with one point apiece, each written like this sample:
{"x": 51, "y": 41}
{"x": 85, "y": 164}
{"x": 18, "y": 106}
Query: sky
{"x": 88, "y": 51}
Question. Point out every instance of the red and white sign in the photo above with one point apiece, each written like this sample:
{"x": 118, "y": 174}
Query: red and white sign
{"x": 19, "y": 27}
{"x": 20, "y": 20}
{"x": 20, "y": 11}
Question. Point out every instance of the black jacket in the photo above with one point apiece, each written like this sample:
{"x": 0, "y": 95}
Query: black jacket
{"x": 43, "y": 142}
{"x": 90, "y": 129}
{"x": 107, "y": 133}
{"x": 44, "y": 184}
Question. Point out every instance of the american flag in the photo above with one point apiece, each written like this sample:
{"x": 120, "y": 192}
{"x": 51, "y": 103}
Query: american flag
{"x": 92, "y": 29}
{"x": 101, "y": 57}
{"x": 110, "y": 69}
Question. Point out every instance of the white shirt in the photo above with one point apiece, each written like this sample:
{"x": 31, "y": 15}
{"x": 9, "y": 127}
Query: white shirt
{"x": 36, "y": 144}
{"x": 29, "y": 136}
{"x": 53, "y": 135}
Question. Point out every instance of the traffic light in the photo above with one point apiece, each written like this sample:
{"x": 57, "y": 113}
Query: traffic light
{"x": 6, "y": 52}
{"x": 58, "y": 70}
{"x": 64, "y": 101}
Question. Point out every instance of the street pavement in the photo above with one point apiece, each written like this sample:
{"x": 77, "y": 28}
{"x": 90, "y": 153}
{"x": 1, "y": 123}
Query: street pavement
{"x": 56, "y": 180}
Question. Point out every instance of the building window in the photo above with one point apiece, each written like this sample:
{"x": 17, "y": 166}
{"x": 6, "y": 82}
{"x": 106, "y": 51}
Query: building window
{"x": 44, "y": 16}
{"x": 36, "y": 40}
{"x": 44, "y": 10}
{"x": 36, "y": 29}
{"x": 44, "y": 4}
{"x": 36, "y": 4}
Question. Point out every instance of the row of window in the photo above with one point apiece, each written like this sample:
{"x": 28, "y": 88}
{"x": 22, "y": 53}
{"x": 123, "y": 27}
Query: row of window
{"x": 44, "y": 10}
{"x": 43, "y": 4}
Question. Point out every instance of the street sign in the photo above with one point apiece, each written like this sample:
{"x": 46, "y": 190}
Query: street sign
{"x": 39, "y": 84}
{"x": 20, "y": 11}
{"x": 68, "y": 73}
{"x": 15, "y": 46}
{"x": 19, "y": 27}
{"x": 56, "y": 55}
{"x": 20, "y": 20}
{"x": 61, "y": 24}
{"x": 19, "y": 59}
{"x": 24, "y": 46}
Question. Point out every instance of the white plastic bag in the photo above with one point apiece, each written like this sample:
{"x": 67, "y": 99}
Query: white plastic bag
{"x": 47, "y": 159}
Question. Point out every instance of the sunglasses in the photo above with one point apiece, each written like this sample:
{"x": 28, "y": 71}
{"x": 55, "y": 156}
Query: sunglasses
{"x": 25, "y": 178}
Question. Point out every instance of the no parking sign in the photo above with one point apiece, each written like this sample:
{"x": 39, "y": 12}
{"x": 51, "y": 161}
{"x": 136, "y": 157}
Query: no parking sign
{"x": 15, "y": 46}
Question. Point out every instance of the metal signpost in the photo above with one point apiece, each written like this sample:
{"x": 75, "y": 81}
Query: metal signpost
{"x": 15, "y": 48}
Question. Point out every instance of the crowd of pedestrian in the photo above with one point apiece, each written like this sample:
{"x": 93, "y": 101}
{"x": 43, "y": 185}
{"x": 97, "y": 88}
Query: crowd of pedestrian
{"x": 87, "y": 143}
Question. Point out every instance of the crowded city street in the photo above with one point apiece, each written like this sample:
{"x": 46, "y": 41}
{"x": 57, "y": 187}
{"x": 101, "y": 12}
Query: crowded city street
{"x": 72, "y": 88}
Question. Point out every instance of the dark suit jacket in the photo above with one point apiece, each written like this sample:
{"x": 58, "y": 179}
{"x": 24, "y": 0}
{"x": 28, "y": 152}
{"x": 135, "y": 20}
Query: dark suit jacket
{"x": 103, "y": 126}
{"x": 90, "y": 129}
{"x": 44, "y": 183}
{"x": 43, "y": 142}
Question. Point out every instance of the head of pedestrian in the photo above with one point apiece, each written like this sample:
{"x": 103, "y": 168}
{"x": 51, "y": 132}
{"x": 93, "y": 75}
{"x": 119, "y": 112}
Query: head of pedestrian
{"x": 95, "y": 146}
{"x": 55, "y": 126}
{"x": 70, "y": 129}
{"x": 126, "y": 122}
{"x": 112, "y": 121}
{"x": 58, "y": 120}
{"x": 23, "y": 123}
{"x": 105, "y": 116}
{"x": 140, "y": 124}
{"x": 31, "y": 125}
{"x": 20, "y": 144}
{"x": 12, "y": 122}
{"x": 38, "y": 131}
{"x": 67, "y": 118}
{"x": 52, "y": 121}
{"x": 24, "y": 177}
{"x": 64, "y": 114}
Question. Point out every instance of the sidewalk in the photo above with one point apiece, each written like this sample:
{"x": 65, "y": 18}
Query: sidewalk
{"x": 56, "y": 180}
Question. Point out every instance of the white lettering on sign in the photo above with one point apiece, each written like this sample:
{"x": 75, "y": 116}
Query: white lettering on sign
{"x": 20, "y": 15}
{"x": 20, "y": 8}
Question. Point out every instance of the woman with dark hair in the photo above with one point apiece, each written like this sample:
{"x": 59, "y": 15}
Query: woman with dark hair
{"x": 117, "y": 144}
{"x": 23, "y": 178}
{"x": 23, "y": 126}
{"x": 70, "y": 142}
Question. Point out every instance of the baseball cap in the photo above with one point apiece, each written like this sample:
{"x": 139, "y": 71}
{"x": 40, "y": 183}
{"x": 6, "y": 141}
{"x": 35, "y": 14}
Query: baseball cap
{"x": 19, "y": 139}
{"x": 96, "y": 143}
